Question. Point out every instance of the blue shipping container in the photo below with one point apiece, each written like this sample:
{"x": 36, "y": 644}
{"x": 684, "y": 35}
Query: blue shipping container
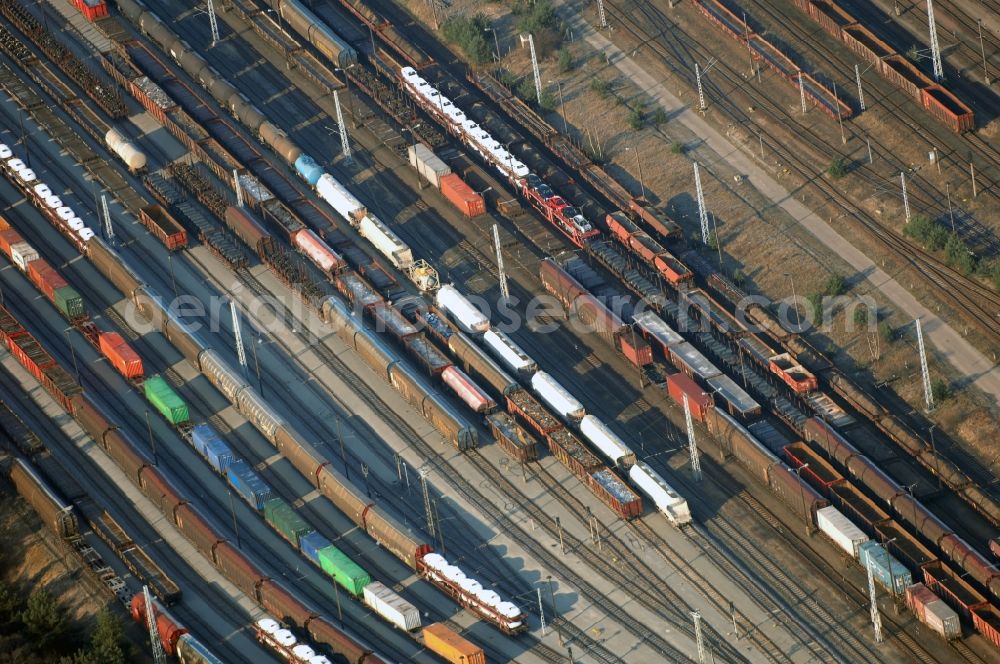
{"x": 219, "y": 455}
{"x": 201, "y": 436}
{"x": 307, "y": 167}
{"x": 248, "y": 484}
{"x": 311, "y": 544}
{"x": 887, "y": 570}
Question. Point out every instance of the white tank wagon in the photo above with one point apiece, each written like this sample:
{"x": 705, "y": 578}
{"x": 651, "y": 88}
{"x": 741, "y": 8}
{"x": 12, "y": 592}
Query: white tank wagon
{"x": 509, "y": 352}
{"x": 134, "y": 158}
{"x": 670, "y": 503}
{"x": 604, "y": 439}
{"x": 387, "y": 242}
{"x": 557, "y": 397}
{"x": 468, "y": 317}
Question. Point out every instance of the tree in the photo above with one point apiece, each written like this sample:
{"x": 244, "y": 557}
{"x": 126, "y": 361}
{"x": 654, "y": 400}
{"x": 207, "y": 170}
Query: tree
{"x": 469, "y": 34}
{"x": 548, "y": 102}
{"x": 958, "y": 255}
{"x": 10, "y": 603}
{"x": 44, "y": 618}
{"x": 940, "y": 390}
{"x": 106, "y": 641}
{"x": 837, "y": 168}
{"x": 526, "y": 88}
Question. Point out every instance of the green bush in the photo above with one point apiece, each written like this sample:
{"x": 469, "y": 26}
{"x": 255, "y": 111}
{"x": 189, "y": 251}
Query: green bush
{"x": 564, "y": 60}
{"x": 861, "y": 316}
{"x": 835, "y": 285}
{"x": 635, "y": 119}
{"x": 739, "y": 277}
{"x": 526, "y": 89}
{"x": 677, "y": 148}
{"x": 837, "y": 168}
{"x": 548, "y": 102}
{"x": 995, "y": 275}
{"x": 816, "y": 304}
{"x": 958, "y": 256}
{"x": 924, "y": 230}
{"x": 508, "y": 78}
{"x": 940, "y": 390}
{"x": 659, "y": 117}
{"x": 469, "y": 34}
{"x": 44, "y": 619}
{"x": 601, "y": 87}
{"x": 885, "y": 332}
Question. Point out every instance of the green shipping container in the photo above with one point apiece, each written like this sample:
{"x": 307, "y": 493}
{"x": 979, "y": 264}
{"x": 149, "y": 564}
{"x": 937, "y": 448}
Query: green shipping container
{"x": 344, "y": 571}
{"x": 166, "y": 400}
{"x": 280, "y": 514}
{"x": 68, "y": 301}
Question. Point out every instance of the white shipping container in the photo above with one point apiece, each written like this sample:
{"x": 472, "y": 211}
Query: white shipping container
{"x": 556, "y": 396}
{"x": 391, "y": 606}
{"x": 65, "y": 213}
{"x": 942, "y": 619}
{"x": 692, "y": 361}
{"x": 341, "y": 200}
{"x": 509, "y": 352}
{"x": 654, "y": 325}
{"x": 42, "y": 190}
{"x": 26, "y": 176}
{"x": 387, "y": 242}
{"x": 669, "y": 502}
{"x": 5, "y": 152}
{"x": 428, "y": 164}
{"x": 23, "y": 253}
{"x": 839, "y": 528}
{"x": 468, "y": 317}
{"x": 605, "y": 440}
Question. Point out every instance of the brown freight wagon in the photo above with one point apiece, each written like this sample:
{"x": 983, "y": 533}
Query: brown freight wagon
{"x": 614, "y": 493}
{"x": 860, "y": 39}
{"x": 952, "y": 588}
{"x": 904, "y": 75}
{"x": 54, "y": 513}
{"x": 857, "y": 507}
{"x": 166, "y": 229}
{"x": 830, "y": 16}
{"x": 430, "y": 357}
{"x": 512, "y": 438}
{"x": 18, "y": 432}
{"x": 521, "y": 403}
{"x": 795, "y": 493}
{"x": 986, "y": 619}
{"x": 947, "y": 108}
{"x": 573, "y": 454}
{"x": 657, "y": 220}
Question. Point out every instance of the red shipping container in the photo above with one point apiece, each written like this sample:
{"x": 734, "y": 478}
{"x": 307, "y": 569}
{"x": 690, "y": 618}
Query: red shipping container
{"x": 635, "y": 348}
{"x": 47, "y": 279}
{"x": 318, "y": 252}
{"x": 699, "y": 400}
{"x": 461, "y": 196}
{"x": 92, "y": 10}
{"x": 9, "y": 237}
{"x": 122, "y": 357}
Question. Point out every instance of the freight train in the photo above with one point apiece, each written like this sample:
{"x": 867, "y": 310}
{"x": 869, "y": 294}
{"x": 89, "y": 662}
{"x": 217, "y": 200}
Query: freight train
{"x": 937, "y": 100}
{"x": 271, "y": 634}
{"x": 177, "y": 641}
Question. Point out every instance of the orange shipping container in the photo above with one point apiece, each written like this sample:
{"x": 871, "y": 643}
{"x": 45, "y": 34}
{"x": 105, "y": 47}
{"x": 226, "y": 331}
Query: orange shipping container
{"x": 47, "y": 279}
{"x": 461, "y": 196}
{"x": 3, "y": 224}
{"x": 9, "y": 237}
{"x": 451, "y": 646}
{"x": 125, "y": 360}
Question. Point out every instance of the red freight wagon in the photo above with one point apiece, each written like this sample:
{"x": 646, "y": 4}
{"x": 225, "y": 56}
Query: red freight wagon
{"x": 92, "y": 9}
{"x": 318, "y": 252}
{"x": 520, "y": 402}
{"x": 952, "y": 588}
{"x": 699, "y": 401}
{"x": 122, "y": 357}
{"x": 8, "y": 238}
{"x": 645, "y": 246}
{"x": 634, "y": 347}
{"x": 48, "y": 280}
{"x": 674, "y": 271}
{"x": 796, "y": 376}
{"x": 164, "y": 227}
{"x": 947, "y": 108}
{"x": 987, "y": 622}
{"x": 621, "y": 226}
{"x": 462, "y": 196}
{"x": 615, "y": 494}
{"x": 819, "y": 472}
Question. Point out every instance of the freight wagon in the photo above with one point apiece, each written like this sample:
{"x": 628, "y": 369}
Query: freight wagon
{"x": 439, "y": 174}
{"x": 166, "y": 229}
{"x": 671, "y": 504}
{"x": 18, "y": 433}
{"x": 514, "y": 440}
{"x": 471, "y": 594}
{"x": 53, "y": 511}
{"x": 934, "y": 613}
{"x": 444, "y": 642}
{"x": 176, "y": 639}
